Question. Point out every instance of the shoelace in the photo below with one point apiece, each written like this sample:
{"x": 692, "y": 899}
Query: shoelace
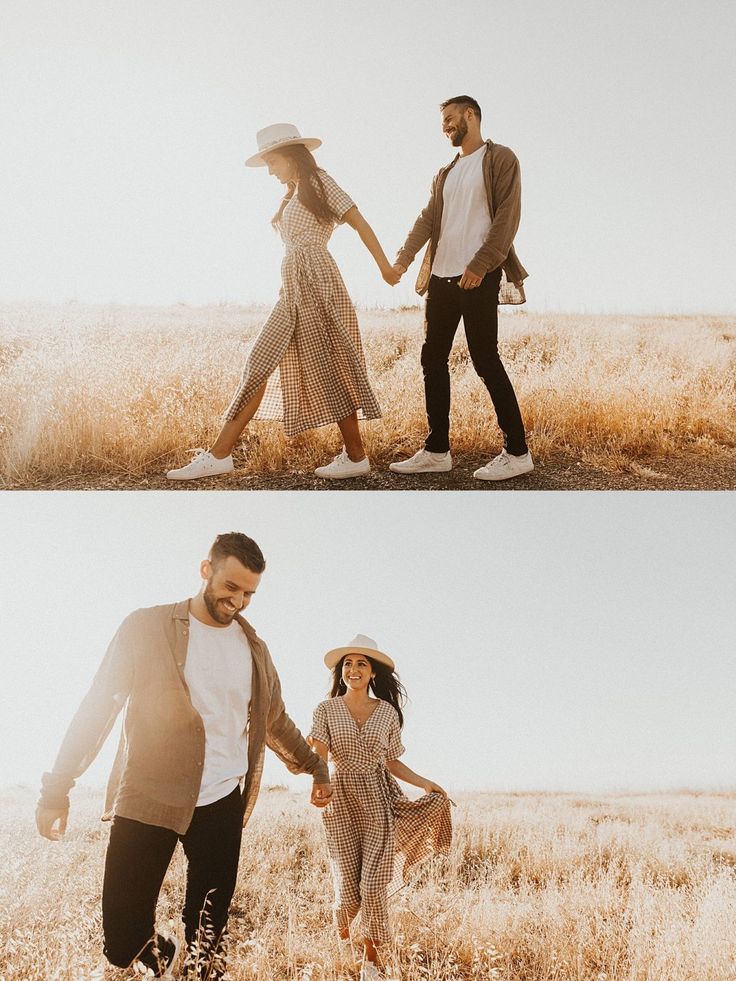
{"x": 198, "y": 451}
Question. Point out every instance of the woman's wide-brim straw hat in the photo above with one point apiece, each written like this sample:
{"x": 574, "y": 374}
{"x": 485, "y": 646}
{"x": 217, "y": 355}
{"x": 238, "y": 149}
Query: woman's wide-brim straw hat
{"x": 275, "y": 138}
{"x": 360, "y": 644}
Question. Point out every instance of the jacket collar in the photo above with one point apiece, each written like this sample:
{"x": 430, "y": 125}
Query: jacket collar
{"x": 451, "y": 164}
{"x": 180, "y": 611}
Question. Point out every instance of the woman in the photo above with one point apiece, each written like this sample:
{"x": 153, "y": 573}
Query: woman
{"x": 373, "y": 830}
{"x": 312, "y": 334}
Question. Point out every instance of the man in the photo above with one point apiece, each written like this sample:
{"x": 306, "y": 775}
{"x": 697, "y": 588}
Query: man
{"x": 202, "y": 699}
{"x": 470, "y": 222}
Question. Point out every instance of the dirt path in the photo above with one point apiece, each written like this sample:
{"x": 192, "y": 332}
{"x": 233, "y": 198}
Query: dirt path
{"x": 687, "y": 471}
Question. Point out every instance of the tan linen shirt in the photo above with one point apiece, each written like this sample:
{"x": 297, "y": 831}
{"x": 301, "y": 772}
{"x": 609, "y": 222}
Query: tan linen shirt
{"x": 158, "y": 769}
{"x": 502, "y": 178}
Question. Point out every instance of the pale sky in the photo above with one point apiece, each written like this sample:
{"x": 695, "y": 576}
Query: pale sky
{"x": 547, "y": 641}
{"x": 125, "y": 127}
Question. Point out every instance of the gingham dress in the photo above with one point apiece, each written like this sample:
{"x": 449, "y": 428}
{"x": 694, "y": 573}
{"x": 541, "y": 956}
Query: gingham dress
{"x": 374, "y": 833}
{"x": 312, "y": 335}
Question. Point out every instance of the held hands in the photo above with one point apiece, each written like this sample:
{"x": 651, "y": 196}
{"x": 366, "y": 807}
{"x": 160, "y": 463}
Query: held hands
{"x": 391, "y": 275}
{"x": 46, "y": 818}
{"x": 321, "y": 794}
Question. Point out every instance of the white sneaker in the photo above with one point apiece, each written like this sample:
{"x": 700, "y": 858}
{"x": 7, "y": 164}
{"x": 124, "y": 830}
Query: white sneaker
{"x": 343, "y": 466}
{"x": 203, "y": 465}
{"x": 505, "y": 465}
{"x": 424, "y": 461}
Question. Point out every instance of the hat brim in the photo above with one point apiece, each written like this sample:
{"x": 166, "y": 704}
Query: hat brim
{"x": 257, "y": 159}
{"x": 333, "y": 657}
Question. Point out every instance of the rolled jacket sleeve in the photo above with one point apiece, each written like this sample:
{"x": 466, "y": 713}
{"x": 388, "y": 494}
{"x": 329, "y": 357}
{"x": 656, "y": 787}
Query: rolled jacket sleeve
{"x": 283, "y": 737}
{"x": 92, "y": 721}
{"x": 421, "y": 231}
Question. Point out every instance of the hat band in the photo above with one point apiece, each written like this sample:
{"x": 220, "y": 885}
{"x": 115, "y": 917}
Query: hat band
{"x": 281, "y": 139}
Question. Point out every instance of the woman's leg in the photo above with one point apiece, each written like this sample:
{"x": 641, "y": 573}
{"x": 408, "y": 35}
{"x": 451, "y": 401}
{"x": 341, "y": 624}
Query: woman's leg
{"x": 230, "y": 432}
{"x": 351, "y": 437}
{"x": 369, "y": 948}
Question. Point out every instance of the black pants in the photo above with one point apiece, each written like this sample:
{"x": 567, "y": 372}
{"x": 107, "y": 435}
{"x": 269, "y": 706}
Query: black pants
{"x": 446, "y": 304}
{"x": 138, "y": 856}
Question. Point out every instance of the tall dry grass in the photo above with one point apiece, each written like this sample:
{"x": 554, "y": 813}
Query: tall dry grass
{"x": 538, "y": 887}
{"x": 128, "y": 390}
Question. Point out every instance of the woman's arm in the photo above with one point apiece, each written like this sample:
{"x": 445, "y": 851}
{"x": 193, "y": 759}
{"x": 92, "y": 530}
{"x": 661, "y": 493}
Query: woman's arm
{"x": 319, "y": 747}
{"x": 368, "y": 237}
{"x": 402, "y": 771}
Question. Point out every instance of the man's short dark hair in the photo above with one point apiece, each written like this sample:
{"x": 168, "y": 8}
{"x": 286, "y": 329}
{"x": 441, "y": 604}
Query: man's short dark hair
{"x": 241, "y": 547}
{"x": 466, "y": 101}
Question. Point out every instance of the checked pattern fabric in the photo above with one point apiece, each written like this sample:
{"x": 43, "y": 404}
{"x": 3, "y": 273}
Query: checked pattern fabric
{"x": 375, "y": 834}
{"x": 309, "y": 350}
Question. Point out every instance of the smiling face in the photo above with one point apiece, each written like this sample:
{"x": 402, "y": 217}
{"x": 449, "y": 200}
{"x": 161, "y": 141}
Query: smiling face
{"x": 281, "y": 167}
{"x": 229, "y": 588}
{"x": 357, "y": 672}
{"x": 455, "y": 122}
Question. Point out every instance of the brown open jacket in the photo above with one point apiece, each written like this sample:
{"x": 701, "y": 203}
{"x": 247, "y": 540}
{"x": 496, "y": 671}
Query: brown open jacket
{"x": 158, "y": 769}
{"x": 502, "y": 176}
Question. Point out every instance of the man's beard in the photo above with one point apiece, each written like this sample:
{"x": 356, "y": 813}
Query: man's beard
{"x": 214, "y": 606}
{"x": 461, "y": 131}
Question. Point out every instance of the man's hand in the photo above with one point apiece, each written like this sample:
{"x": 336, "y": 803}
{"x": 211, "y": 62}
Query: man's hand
{"x": 46, "y": 818}
{"x": 399, "y": 269}
{"x": 469, "y": 280}
{"x": 391, "y": 276}
{"x": 321, "y": 794}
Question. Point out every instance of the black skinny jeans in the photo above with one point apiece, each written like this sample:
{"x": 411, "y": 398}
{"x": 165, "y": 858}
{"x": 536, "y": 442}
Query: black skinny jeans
{"x": 446, "y": 304}
{"x": 138, "y": 856}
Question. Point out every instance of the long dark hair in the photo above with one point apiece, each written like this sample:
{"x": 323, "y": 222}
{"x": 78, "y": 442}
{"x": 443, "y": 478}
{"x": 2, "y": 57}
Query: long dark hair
{"x": 385, "y": 685}
{"x": 311, "y": 189}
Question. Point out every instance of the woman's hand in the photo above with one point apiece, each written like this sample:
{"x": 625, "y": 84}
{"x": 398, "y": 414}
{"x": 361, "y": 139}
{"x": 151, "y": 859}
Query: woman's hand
{"x": 391, "y": 275}
{"x": 321, "y": 794}
{"x": 433, "y": 788}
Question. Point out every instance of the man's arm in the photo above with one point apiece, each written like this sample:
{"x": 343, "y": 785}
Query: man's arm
{"x": 283, "y": 737}
{"x": 507, "y": 207}
{"x": 420, "y": 233}
{"x": 86, "y": 734}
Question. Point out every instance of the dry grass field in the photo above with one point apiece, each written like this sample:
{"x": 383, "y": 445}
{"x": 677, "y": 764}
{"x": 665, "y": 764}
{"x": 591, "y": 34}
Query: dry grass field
{"x": 87, "y": 393}
{"x": 538, "y": 887}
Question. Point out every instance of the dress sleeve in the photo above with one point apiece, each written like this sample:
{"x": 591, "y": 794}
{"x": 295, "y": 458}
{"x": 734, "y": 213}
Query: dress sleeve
{"x": 338, "y": 201}
{"x": 395, "y": 746}
{"x": 320, "y": 728}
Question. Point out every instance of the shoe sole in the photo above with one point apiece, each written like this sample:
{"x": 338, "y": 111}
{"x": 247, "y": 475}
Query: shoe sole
{"x": 341, "y": 476}
{"x": 199, "y": 476}
{"x": 509, "y": 476}
{"x": 442, "y": 469}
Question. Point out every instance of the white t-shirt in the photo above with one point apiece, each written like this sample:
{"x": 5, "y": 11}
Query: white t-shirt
{"x": 218, "y": 672}
{"x": 466, "y": 220}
